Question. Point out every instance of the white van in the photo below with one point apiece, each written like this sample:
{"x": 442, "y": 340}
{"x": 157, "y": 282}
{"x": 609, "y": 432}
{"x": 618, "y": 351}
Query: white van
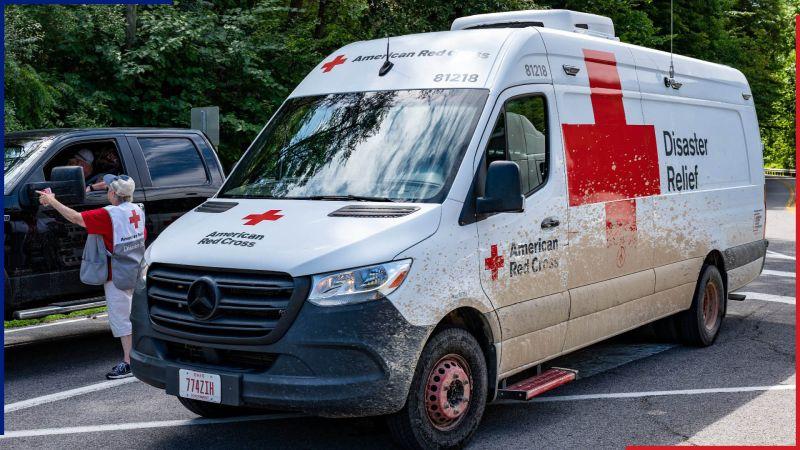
{"x": 416, "y": 237}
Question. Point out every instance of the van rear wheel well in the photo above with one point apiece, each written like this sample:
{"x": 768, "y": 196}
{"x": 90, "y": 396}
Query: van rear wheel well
{"x": 715, "y": 258}
{"x": 471, "y": 320}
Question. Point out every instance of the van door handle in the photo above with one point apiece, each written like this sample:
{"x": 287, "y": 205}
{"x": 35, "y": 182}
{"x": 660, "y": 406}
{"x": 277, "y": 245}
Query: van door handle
{"x": 550, "y": 222}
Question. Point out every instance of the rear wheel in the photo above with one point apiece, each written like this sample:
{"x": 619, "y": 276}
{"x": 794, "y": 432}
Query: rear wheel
{"x": 701, "y": 323}
{"x": 447, "y": 395}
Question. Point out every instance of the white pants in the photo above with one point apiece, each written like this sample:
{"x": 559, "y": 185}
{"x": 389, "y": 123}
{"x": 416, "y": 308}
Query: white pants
{"x": 119, "y": 309}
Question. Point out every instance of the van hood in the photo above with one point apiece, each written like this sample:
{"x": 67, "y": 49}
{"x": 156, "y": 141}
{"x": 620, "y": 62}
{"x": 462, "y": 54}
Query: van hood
{"x": 298, "y": 237}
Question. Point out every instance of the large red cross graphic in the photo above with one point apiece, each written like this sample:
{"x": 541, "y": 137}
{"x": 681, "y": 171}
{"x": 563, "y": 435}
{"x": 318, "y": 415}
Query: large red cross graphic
{"x": 255, "y": 219}
{"x": 328, "y": 66}
{"x": 134, "y": 219}
{"x": 610, "y": 160}
{"x": 494, "y": 262}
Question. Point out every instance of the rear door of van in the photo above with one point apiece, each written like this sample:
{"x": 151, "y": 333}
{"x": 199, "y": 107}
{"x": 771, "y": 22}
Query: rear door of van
{"x": 711, "y": 169}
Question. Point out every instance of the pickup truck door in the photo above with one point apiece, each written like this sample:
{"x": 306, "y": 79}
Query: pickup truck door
{"x": 176, "y": 174}
{"x": 45, "y": 255}
{"x": 523, "y": 255}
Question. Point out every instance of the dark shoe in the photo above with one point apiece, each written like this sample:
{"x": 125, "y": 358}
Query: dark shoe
{"x": 121, "y": 370}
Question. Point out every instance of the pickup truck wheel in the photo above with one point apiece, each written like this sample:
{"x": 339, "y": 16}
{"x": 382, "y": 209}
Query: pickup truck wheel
{"x": 447, "y": 395}
{"x": 215, "y": 410}
{"x": 699, "y": 326}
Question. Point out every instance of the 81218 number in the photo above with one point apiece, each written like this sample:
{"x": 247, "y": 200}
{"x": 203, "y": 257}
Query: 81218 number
{"x": 535, "y": 70}
{"x": 456, "y": 77}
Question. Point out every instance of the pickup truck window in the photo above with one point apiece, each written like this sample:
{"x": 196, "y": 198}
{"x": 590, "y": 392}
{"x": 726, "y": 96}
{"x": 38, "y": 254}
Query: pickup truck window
{"x": 17, "y": 150}
{"x": 20, "y": 153}
{"x": 173, "y": 162}
{"x": 101, "y": 157}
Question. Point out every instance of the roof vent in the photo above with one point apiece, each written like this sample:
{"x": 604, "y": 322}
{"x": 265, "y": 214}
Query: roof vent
{"x": 560, "y": 19}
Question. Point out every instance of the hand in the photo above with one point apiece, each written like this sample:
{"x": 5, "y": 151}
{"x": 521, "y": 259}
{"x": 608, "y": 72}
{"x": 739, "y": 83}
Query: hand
{"x": 99, "y": 186}
{"x": 46, "y": 197}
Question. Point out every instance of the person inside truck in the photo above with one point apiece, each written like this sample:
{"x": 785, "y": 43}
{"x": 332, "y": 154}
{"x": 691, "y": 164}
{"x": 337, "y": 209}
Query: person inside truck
{"x": 107, "y": 163}
{"x": 83, "y": 158}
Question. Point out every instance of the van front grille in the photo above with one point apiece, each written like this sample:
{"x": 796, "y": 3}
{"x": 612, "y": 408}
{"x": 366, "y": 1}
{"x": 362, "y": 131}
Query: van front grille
{"x": 252, "y": 307}
{"x": 229, "y": 359}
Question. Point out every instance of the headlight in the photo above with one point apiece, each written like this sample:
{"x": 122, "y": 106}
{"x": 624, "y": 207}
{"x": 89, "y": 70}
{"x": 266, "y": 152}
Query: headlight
{"x": 358, "y": 285}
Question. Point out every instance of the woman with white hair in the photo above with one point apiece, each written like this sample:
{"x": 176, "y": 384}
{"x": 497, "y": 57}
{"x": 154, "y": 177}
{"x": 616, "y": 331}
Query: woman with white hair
{"x": 121, "y": 226}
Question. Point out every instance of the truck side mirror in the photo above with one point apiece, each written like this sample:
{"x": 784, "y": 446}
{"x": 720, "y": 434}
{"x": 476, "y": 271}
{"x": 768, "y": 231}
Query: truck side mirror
{"x": 66, "y": 182}
{"x": 503, "y": 189}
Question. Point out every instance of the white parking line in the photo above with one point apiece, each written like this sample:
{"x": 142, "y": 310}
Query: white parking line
{"x": 52, "y": 324}
{"x": 190, "y": 422}
{"x": 776, "y": 255}
{"x": 569, "y": 398}
{"x": 139, "y": 426}
{"x": 768, "y": 297}
{"x": 778, "y": 273}
{"x": 36, "y": 401}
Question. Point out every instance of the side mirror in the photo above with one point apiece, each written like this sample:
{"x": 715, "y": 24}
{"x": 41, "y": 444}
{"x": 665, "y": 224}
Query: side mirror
{"x": 503, "y": 189}
{"x": 66, "y": 182}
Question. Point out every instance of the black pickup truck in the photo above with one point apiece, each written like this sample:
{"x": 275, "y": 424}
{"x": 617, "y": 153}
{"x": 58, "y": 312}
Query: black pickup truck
{"x": 175, "y": 170}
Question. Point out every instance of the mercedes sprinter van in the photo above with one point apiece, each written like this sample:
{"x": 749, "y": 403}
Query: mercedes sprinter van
{"x": 419, "y": 228}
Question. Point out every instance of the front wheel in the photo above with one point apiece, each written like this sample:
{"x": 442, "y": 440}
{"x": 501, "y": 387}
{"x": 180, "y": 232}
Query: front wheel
{"x": 447, "y": 395}
{"x": 700, "y": 325}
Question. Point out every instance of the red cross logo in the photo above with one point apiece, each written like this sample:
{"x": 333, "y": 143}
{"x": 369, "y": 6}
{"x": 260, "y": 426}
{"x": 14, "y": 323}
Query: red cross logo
{"x": 610, "y": 160}
{"x": 255, "y": 219}
{"x": 494, "y": 262}
{"x": 134, "y": 219}
{"x": 328, "y": 66}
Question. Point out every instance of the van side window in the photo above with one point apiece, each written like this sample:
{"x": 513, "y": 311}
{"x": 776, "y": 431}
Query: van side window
{"x": 520, "y": 135}
{"x": 173, "y": 162}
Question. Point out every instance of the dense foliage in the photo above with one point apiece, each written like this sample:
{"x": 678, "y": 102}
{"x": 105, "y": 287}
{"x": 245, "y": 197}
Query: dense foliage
{"x": 76, "y": 66}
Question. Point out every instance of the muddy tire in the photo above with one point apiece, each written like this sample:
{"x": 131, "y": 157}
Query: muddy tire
{"x": 699, "y": 326}
{"x": 443, "y": 409}
{"x": 214, "y": 410}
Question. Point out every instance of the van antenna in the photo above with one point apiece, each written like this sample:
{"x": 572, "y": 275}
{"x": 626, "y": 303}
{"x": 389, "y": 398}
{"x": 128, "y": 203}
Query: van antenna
{"x": 670, "y": 80}
{"x": 387, "y": 65}
{"x": 671, "y": 33}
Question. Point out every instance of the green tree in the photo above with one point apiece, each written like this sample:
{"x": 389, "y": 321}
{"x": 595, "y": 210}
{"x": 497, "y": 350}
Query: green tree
{"x": 76, "y": 66}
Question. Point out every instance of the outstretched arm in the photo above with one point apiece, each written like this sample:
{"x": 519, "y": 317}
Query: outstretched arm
{"x": 48, "y": 198}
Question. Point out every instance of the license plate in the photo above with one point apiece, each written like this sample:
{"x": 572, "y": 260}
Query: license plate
{"x": 199, "y": 385}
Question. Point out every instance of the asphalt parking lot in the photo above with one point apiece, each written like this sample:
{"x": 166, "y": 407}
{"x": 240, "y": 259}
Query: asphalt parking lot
{"x": 635, "y": 390}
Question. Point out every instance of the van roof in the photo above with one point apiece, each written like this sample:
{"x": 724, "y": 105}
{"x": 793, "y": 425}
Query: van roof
{"x": 448, "y": 59}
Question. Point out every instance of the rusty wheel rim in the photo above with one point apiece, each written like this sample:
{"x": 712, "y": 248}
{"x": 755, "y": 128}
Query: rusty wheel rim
{"x": 710, "y": 306}
{"x": 448, "y": 392}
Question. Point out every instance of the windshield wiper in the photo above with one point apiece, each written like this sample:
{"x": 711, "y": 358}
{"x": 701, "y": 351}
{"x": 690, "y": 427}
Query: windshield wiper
{"x": 357, "y": 198}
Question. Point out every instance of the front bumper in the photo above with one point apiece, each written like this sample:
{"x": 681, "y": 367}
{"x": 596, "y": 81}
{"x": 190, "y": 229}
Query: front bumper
{"x": 343, "y": 361}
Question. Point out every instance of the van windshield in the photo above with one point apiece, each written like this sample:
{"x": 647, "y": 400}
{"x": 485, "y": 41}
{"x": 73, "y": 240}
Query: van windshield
{"x": 383, "y": 146}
